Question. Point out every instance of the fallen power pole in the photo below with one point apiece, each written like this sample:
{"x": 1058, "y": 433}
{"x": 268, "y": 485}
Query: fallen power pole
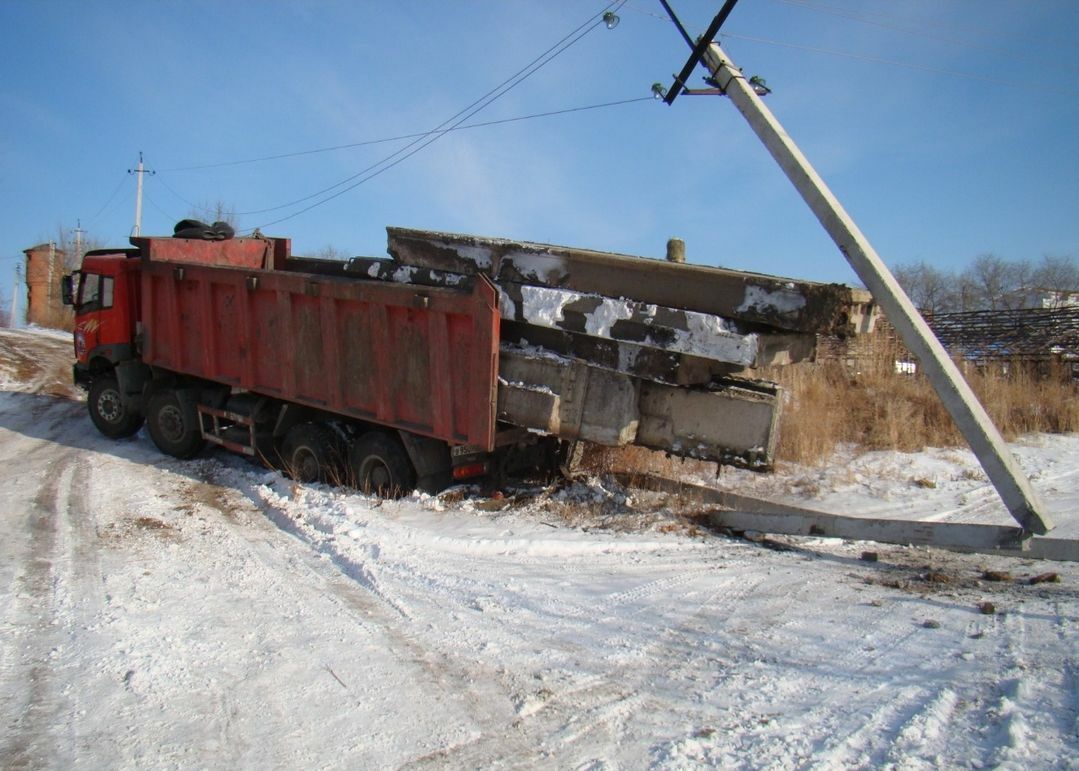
{"x": 958, "y": 398}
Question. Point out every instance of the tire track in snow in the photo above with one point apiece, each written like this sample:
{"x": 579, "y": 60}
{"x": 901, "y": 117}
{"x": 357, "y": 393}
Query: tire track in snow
{"x": 918, "y": 742}
{"x": 860, "y": 748}
{"x": 471, "y": 695}
{"x": 588, "y": 715}
{"x": 322, "y": 539}
{"x": 1023, "y": 709}
{"x": 815, "y": 704}
{"x": 33, "y": 737}
{"x": 1069, "y": 715}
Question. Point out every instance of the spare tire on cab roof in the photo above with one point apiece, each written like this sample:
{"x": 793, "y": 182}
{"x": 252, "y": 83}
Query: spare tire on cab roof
{"x": 196, "y": 229}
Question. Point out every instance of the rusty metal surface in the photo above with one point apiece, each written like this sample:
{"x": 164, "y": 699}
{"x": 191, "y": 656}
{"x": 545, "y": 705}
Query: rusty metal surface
{"x": 416, "y": 358}
{"x": 257, "y": 253}
{"x": 770, "y": 301}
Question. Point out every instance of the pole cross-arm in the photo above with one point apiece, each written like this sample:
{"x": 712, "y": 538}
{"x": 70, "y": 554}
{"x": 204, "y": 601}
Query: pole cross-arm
{"x": 698, "y": 49}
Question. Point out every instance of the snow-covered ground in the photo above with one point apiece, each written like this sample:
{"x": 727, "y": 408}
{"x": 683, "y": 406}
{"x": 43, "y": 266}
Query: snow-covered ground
{"x": 168, "y": 614}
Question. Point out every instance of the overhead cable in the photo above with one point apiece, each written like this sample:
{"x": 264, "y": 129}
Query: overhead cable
{"x": 112, "y": 195}
{"x": 353, "y": 181}
{"x": 402, "y": 137}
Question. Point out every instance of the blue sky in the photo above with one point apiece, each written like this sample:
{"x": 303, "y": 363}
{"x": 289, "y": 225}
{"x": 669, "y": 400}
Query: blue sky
{"x": 948, "y": 128}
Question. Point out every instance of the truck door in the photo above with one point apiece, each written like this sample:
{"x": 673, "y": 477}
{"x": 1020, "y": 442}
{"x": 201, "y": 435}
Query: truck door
{"x": 94, "y": 317}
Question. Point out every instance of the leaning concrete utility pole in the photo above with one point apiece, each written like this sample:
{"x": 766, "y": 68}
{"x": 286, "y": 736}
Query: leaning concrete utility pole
{"x": 958, "y": 398}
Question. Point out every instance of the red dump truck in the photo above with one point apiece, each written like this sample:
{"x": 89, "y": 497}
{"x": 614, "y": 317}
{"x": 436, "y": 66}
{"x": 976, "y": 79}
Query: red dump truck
{"x": 457, "y": 356}
{"x": 231, "y": 342}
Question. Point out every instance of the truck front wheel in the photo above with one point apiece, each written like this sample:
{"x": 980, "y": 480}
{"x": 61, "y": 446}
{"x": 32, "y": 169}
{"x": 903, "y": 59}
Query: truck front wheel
{"x": 381, "y": 465}
{"x": 108, "y": 411}
{"x": 174, "y": 425}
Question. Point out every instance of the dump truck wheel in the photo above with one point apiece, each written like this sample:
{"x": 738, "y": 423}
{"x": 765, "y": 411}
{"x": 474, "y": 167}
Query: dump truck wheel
{"x": 174, "y": 425}
{"x": 311, "y": 452}
{"x": 381, "y": 465}
{"x": 107, "y": 410}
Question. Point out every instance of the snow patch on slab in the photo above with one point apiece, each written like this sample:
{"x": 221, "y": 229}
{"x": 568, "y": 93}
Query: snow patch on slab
{"x": 533, "y": 266}
{"x": 782, "y": 301}
{"x": 480, "y": 255}
{"x": 544, "y": 306}
{"x": 704, "y": 335}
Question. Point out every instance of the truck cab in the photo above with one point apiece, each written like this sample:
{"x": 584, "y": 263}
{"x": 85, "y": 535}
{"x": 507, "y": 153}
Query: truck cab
{"x": 104, "y": 294}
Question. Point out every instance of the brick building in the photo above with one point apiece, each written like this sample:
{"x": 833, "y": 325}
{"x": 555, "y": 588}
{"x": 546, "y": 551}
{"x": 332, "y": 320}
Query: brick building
{"x": 44, "y": 267}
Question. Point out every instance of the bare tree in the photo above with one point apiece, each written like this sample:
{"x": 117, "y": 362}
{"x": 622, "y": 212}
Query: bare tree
{"x": 74, "y": 250}
{"x": 219, "y": 211}
{"x": 330, "y": 252}
{"x": 990, "y": 283}
{"x": 990, "y": 278}
{"x": 1057, "y": 272}
{"x": 928, "y": 288}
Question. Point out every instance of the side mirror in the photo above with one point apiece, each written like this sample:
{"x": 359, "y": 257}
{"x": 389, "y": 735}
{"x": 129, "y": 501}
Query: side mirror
{"x": 67, "y": 293}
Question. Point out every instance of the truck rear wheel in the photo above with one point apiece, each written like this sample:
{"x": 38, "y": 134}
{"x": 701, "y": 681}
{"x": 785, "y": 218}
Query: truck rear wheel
{"x": 381, "y": 465}
{"x": 174, "y": 425}
{"x": 107, "y": 409}
{"x": 311, "y": 452}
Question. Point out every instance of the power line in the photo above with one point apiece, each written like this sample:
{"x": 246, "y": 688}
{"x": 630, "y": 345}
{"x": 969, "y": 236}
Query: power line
{"x": 427, "y": 138}
{"x": 168, "y": 217}
{"x": 482, "y": 124}
{"x": 402, "y": 137}
{"x": 104, "y": 206}
{"x": 460, "y": 117}
{"x": 661, "y": 17}
{"x": 179, "y": 197}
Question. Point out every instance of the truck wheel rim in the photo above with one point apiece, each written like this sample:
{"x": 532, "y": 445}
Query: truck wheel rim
{"x": 108, "y": 406}
{"x": 171, "y": 423}
{"x": 376, "y": 476}
{"x": 305, "y": 465}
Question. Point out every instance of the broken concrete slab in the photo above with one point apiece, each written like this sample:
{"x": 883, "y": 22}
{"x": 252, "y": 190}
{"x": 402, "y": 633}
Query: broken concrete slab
{"x": 734, "y": 423}
{"x": 781, "y": 303}
{"x": 643, "y": 324}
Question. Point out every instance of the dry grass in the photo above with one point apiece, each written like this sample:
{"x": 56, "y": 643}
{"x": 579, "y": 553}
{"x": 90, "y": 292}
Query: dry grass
{"x": 876, "y": 408}
{"x": 880, "y": 409}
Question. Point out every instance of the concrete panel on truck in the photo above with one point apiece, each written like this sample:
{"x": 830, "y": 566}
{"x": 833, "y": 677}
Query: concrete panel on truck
{"x": 732, "y": 423}
{"x": 782, "y": 303}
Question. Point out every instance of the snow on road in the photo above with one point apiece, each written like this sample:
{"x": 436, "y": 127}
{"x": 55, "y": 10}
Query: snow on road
{"x": 168, "y": 614}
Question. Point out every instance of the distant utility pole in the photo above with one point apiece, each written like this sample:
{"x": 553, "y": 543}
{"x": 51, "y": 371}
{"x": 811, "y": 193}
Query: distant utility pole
{"x": 139, "y": 171}
{"x": 77, "y": 259}
{"x": 15, "y": 293}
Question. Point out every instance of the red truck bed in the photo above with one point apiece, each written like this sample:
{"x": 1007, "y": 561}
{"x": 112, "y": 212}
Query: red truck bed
{"x": 422, "y": 359}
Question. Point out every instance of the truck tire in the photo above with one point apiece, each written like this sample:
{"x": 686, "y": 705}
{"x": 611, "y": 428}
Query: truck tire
{"x": 174, "y": 425}
{"x": 381, "y": 466}
{"x": 107, "y": 409}
{"x": 312, "y": 452}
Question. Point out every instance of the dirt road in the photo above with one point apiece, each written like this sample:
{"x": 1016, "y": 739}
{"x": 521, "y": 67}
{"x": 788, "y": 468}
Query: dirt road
{"x": 159, "y": 613}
